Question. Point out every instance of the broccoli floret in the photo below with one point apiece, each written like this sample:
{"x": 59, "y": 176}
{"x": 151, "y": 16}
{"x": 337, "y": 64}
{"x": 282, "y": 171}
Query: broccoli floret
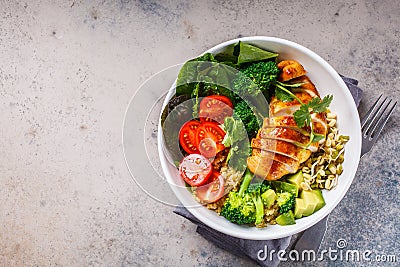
{"x": 238, "y": 209}
{"x": 255, "y": 190}
{"x": 285, "y": 201}
{"x": 249, "y": 88}
{"x": 252, "y": 123}
{"x": 258, "y": 187}
{"x": 254, "y": 79}
{"x": 245, "y": 206}
{"x": 262, "y": 73}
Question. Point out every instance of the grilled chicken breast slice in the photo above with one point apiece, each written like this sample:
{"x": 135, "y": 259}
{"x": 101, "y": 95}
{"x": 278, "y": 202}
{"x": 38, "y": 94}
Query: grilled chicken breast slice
{"x": 285, "y": 122}
{"x": 319, "y": 124}
{"x": 290, "y": 69}
{"x": 291, "y": 164}
{"x": 267, "y": 168}
{"x": 288, "y": 135}
{"x": 282, "y": 148}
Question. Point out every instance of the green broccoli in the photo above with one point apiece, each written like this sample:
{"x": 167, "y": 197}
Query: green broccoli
{"x": 286, "y": 201}
{"x": 262, "y": 73}
{"x": 258, "y": 188}
{"x": 249, "y": 88}
{"x": 251, "y": 122}
{"x": 255, "y": 190}
{"x": 238, "y": 209}
{"x": 245, "y": 206}
{"x": 254, "y": 79}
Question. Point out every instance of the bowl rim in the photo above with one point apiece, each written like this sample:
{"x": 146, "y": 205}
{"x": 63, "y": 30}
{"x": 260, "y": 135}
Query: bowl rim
{"x": 264, "y": 234}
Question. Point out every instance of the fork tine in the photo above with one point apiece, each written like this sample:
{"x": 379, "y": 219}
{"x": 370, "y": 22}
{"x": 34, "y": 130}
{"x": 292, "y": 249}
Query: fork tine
{"x": 369, "y": 113}
{"x": 374, "y": 116}
{"x": 375, "y": 134}
{"x": 378, "y": 116}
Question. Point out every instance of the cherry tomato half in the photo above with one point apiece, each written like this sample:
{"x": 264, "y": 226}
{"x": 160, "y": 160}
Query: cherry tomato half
{"x": 209, "y": 139}
{"x": 195, "y": 169}
{"x": 213, "y": 190}
{"x": 215, "y": 108}
{"x": 188, "y": 136}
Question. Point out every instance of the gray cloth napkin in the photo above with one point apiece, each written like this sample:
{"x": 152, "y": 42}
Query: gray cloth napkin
{"x": 251, "y": 248}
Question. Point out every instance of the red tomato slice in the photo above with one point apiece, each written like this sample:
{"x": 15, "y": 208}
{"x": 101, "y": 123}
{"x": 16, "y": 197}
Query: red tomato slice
{"x": 212, "y": 191}
{"x": 195, "y": 169}
{"x": 188, "y": 136}
{"x": 209, "y": 139}
{"x": 215, "y": 108}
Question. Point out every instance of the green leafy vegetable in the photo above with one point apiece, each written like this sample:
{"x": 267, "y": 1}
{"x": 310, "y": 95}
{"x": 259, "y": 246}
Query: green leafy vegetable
{"x": 318, "y": 105}
{"x": 250, "y": 53}
{"x": 302, "y": 116}
{"x": 237, "y": 156}
{"x": 235, "y": 131}
{"x": 317, "y": 137}
{"x": 241, "y": 53}
{"x": 188, "y": 74}
{"x": 236, "y": 138}
{"x": 229, "y": 55}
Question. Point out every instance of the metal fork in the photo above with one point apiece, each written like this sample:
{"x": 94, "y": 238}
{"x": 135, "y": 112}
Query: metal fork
{"x": 371, "y": 126}
{"x": 374, "y": 121}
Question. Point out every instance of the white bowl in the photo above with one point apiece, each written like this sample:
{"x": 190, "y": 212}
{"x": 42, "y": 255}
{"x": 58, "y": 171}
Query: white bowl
{"x": 327, "y": 81}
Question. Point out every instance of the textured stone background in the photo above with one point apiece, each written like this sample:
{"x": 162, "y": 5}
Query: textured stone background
{"x": 67, "y": 72}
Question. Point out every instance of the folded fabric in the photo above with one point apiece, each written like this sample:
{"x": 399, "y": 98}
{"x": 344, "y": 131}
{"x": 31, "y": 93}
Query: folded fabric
{"x": 254, "y": 249}
{"x": 355, "y": 91}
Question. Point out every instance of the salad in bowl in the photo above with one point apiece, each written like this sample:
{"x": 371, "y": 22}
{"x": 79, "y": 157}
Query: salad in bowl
{"x": 251, "y": 140}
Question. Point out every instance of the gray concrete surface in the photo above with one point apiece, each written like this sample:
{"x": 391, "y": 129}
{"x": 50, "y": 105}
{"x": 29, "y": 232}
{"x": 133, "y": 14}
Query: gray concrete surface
{"x": 67, "y": 72}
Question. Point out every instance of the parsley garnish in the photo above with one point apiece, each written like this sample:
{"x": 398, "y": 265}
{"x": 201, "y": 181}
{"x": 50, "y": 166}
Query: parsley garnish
{"x": 302, "y": 116}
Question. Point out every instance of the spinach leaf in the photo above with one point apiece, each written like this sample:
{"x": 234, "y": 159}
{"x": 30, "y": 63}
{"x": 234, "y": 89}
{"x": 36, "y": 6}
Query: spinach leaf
{"x": 214, "y": 77}
{"x": 187, "y": 77}
{"x": 222, "y": 77}
{"x": 229, "y": 55}
{"x": 249, "y": 53}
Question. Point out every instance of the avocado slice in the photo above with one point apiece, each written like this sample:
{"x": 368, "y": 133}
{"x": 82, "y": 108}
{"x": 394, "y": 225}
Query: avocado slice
{"x": 296, "y": 179}
{"x": 286, "y": 218}
{"x": 310, "y": 202}
{"x": 285, "y": 187}
{"x": 268, "y": 198}
{"x": 319, "y": 198}
{"x": 299, "y": 208}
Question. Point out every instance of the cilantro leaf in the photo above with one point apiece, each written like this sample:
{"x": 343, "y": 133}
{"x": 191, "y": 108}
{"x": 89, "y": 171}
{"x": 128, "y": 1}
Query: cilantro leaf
{"x": 317, "y": 137}
{"x": 302, "y": 116}
{"x": 313, "y": 103}
{"x": 318, "y": 105}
